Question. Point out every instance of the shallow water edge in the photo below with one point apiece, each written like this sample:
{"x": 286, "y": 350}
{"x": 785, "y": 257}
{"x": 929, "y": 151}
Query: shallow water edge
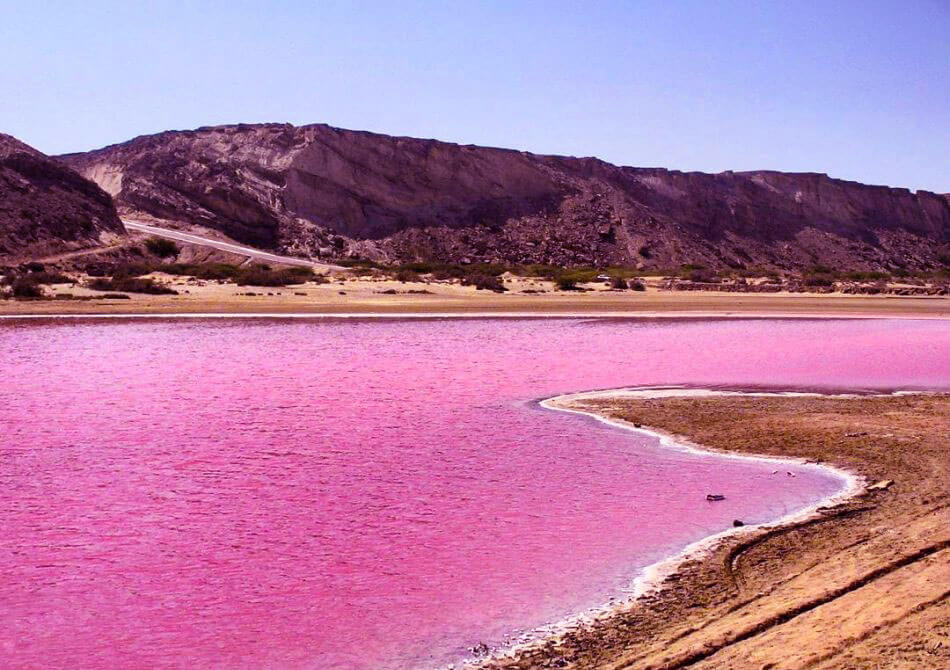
{"x": 650, "y": 578}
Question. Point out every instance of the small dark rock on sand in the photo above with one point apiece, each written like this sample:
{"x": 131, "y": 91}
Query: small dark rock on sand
{"x": 480, "y": 649}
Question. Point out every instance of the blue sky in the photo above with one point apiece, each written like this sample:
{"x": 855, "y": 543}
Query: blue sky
{"x": 860, "y": 90}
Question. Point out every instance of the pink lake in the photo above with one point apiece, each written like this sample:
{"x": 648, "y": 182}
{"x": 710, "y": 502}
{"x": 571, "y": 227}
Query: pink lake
{"x": 355, "y": 494}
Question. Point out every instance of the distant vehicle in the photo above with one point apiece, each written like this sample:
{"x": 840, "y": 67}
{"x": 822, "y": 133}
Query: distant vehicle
{"x": 603, "y": 277}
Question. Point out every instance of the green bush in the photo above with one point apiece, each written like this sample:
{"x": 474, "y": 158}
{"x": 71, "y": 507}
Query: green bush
{"x": 567, "y": 283}
{"x": 539, "y": 270}
{"x": 623, "y": 272}
{"x": 493, "y": 269}
{"x": 700, "y": 275}
{"x": 418, "y": 267}
{"x": 866, "y": 276}
{"x": 261, "y": 275}
{"x": 49, "y": 277}
{"x": 161, "y": 247}
{"x": 485, "y": 282}
{"x": 449, "y": 271}
{"x": 359, "y": 263}
{"x": 26, "y": 287}
{"x": 577, "y": 275}
{"x": 818, "y": 280}
{"x": 130, "y": 285}
{"x": 201, "y": 270}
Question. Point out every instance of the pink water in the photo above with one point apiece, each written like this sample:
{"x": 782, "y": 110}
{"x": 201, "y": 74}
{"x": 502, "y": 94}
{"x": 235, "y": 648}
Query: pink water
{"x": 368, "y": 494}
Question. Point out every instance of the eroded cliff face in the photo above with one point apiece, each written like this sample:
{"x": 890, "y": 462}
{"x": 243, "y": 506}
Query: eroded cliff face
{"x": 47, "y": 208}
{"x": 328, "y": 192}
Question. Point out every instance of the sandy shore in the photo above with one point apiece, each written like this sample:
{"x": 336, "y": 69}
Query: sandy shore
{"x": 368, "y": 296}
{"x": 861, "y": 582}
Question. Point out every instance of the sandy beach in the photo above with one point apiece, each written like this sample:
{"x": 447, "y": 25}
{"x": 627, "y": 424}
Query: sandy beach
{"x": 800, "y": 594}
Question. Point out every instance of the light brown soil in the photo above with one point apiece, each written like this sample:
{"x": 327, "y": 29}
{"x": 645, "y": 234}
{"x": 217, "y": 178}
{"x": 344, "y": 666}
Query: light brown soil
{"x": 372, "y": 296}
{"x": 863, "y": 585}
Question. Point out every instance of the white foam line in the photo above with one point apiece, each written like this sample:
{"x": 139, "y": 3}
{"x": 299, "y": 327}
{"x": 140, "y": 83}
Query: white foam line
{"x": 473, "y": 315}
{"x": 651, "y": 577}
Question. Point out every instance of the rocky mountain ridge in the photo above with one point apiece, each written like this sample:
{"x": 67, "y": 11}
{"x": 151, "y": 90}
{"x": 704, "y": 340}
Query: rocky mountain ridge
{"x": 329, "y": 193}
{"x": 47, "y": 208}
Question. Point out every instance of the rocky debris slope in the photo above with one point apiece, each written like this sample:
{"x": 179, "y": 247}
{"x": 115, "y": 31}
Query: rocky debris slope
{"x": 326, "y": 192}
{"x": 47, "y": 208}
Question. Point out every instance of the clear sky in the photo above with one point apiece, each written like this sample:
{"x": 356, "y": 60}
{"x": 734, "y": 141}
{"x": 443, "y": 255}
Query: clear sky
{"x": 860, "y": 90}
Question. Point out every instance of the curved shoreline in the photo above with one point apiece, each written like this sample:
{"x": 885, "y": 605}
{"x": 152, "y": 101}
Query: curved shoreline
{"x": 649, "y": 579}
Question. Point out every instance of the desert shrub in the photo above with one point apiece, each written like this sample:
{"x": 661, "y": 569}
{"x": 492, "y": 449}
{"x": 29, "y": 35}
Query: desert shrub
{"x": 818, "y": 280}
{"x": 453, "y": 270}
{"x": 618, "y": 283}
{"x": 866, "y": 276}
{"x": 97, "y": 269}
{"x": 493, "y": 269}
{"x": 759, "y": 271}
{"x": 697, "y": 273}
{"x": 485, "y": 282}
{"x": 262, "y": 275}
{"x": 539, "y": 270}
{"x": 406, "y": 275}
{"x": 130, "y": 285}
{"x": 201, "y": 270}
{"x": 305, "y": 273}
{"x": 117, "y": 296}
{"x": 418, "y": 267}
{"x": 704, "y": 276}
{"x": 161, "y": 247}
{"x": 449, "y": 271}
{"x": 25, "y": 287}
{"x": 134, "y": 269}
{"x": 359, "y": 263}
{"x": 644, "y": 251}
{"x": 577, "y": 275}
{"x": 567, "y": 283}
{"x": 636, "y": 285}
{"x": 49, "y": 277}
{"x": 33, "y": 266}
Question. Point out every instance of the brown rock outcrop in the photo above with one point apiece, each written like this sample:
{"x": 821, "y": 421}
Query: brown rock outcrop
{"x": 324, "y": 191}
{"x": 47, "y": 208}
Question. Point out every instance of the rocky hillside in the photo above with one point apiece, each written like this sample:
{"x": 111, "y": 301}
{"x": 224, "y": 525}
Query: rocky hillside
{"x": 47, "y": 208}
{"x": 322, "y": 191}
